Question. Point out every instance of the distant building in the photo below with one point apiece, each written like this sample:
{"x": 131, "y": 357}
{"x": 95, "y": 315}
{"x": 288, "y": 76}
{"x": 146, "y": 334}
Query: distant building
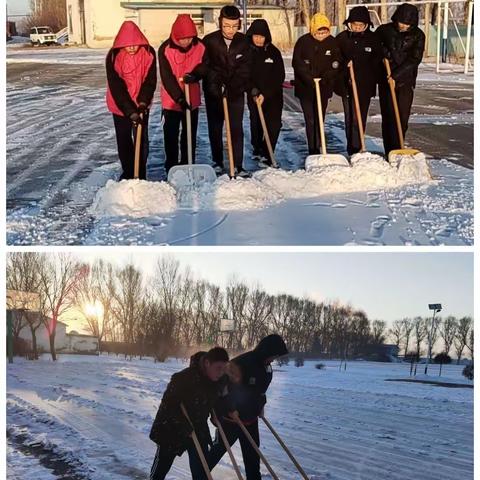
{"x": 72, "y": 342}
{"x": 95, "y": 23}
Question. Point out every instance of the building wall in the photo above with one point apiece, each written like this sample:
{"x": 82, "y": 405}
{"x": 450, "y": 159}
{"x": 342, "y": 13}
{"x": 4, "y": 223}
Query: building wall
{"x": 43, "y": 343}
{"x": 103, "y": 20}
{"x": 82, "y": 343}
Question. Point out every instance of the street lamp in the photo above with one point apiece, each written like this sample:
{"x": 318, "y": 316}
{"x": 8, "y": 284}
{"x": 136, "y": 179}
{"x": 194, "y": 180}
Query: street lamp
{"x": 437, "y": 308}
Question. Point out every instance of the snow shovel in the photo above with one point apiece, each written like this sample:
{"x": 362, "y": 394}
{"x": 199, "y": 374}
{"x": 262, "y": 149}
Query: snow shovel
{"x": 190, "y": 175}
{"x": 197, "y": 445}
{"x": 265, "y": 132}
{"x": 229, "y": 135}
{"x": 324, "y": 159}
{"x": 288, "y": 452}
{"x": 138, "y": 145}
{"x": 363, "y": 154}
{"x": 396, "y": 156}
{"x": 227, "y": 445}
{"x": 255, "y": 447}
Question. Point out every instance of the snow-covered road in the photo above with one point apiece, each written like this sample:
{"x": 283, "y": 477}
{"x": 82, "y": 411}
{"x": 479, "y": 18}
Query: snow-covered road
{"x": 61, "y": 151}
{"x": 94, "y": 414}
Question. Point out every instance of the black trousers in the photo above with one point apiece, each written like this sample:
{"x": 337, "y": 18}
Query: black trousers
{"x": 389, "y": 125}
{"x": 215, "y": 118}
{"x": 272, "y": 111}
{"x": 310, "y": 113}
{"x": 351, "y": 124}
{"x": 126, "y": 134}
{"x": 164, "y": 461}
{"x": 171, "y": 130}
{"x": 251, "y": 460}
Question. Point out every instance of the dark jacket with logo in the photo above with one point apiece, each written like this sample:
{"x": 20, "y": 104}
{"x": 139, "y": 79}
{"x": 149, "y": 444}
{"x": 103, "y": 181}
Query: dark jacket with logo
{"x": 404, "y": 50}
{"x": 314, "y": 59}
{"x": 268, "y": 69}
{"x": 171, "y": 430}
{"x": 365, "y": 51}
{"x": 248, "y": 397}
{"x": 227, "y": 66}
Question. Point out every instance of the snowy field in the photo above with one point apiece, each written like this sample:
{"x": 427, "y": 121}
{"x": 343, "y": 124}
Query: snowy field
{"x": 61, "y": 153}
{"x": 89, "y": 418}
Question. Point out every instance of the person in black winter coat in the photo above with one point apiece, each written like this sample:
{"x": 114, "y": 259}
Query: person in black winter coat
{"x": 360, "y": 46}
{"x": 229, "y": 67}
{"x": 197, "y": 388}
{"x": 403, "y": 44}
{"x": 315, "y": 55}
{"x": 247, "y": 398}
{"x": 268, "y": 75}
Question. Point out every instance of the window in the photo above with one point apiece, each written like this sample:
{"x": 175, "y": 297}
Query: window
{"x": 198, "y": 21}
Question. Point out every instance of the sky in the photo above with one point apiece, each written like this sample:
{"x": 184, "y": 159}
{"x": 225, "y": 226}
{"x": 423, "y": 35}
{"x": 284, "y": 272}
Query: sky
{"x": 387, "y": 286}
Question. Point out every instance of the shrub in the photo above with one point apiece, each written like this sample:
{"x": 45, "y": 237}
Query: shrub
{"x": 299, "y": 361}
{"x": 442, "y": 358}
{"x": 320, "y": 366}
{"x": 285, "y": 360}
{"x": 468, "y": 371}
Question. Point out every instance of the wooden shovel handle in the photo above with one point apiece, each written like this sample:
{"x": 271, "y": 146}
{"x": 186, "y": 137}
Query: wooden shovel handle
{"x": 138, "y": 144}
{"x": 358, "y": 113}
{"x": 394, "y": 102}
{"x": 265, "y": 132}
{"x": 229, "y": 137}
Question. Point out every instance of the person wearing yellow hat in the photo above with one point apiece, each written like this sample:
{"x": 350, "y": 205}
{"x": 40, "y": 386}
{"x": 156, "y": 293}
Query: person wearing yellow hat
{"x": 316, "y": 55}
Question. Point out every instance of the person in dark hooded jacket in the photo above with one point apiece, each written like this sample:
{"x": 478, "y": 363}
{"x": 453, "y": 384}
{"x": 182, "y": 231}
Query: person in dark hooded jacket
{"x": 247, "y": 397}
{"x": 182, "y": 61}
{"x": 360, "y": 46}
{"x": 131, "y": 82}
{"x": 268, "y": 75}
{"x": 229, "y": 67}
{"x": 403, "y": 45}
{"x": 315, "y": 55}
{"x": 197, "y": 388}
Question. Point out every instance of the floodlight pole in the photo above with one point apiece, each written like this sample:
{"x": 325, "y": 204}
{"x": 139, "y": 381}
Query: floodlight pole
{"x": 469, "y": 34}
{"x": 436, "y": 307}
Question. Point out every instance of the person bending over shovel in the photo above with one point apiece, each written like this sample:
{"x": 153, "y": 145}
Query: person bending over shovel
{"x": 181, "y": 59}
{"x": 196, "y": 389}
{"x": 251, "y": 373}
{"x": 268, "y": 75}
{"x": 131, "y": 82}
{"x": 315, "y": 55}
{"x": 403, "y": 45}
{"x": 360, "y": 46}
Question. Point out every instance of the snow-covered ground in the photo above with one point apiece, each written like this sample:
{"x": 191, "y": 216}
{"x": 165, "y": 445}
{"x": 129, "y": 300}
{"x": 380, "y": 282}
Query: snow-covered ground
{"x": 61, "y": 153}
{"x": 90, "y": 417}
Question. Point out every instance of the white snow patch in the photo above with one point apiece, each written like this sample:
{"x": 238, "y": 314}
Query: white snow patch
{"x": 134, "y": 198}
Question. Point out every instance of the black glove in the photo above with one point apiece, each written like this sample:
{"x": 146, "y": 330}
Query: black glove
{"x": 255, "y": 92}
{"x": 189, "y": 78}
{"x": 135, "y": 118}
{"x": 142, "y": 107}
{"x": 182, "y": 101}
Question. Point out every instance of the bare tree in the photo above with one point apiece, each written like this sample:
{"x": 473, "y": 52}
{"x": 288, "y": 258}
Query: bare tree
{"x": 378, "y": 331}
{"x": 60, "y": 277}
{"x": 461, "y": 336}
{"x": 420, "y": 329}
{"x": 447, "y": 331}
{"x": 397, "y": 332}
{"x": 408, "y": 326}
{"x": 52, "y": 13}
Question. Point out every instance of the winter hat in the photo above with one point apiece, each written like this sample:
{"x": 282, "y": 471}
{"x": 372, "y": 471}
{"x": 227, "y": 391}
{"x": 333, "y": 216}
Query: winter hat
{"x": 271, "y": 346}
{"x": 319, "y": 20}
{"x": 183, "y": 27}
{"x": 358, "y": 14}
{"x": 406, "y": 13}
{"x": 129, "y": 35}
{"x": 260, "y": 27}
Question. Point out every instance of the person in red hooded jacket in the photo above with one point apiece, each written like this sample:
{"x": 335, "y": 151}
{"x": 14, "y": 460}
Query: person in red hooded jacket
{"x": 181, "y": 59}
{"x": 132, "y": 79}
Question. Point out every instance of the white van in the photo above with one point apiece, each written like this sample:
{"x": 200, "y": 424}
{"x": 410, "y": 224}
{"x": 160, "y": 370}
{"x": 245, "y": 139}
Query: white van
{"x": 42, "y": 36}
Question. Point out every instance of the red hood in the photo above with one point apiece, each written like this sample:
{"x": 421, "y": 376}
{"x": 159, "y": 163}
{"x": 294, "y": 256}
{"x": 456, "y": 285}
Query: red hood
{"x": 183, "y": 27}
{"x": 129, "y": 35}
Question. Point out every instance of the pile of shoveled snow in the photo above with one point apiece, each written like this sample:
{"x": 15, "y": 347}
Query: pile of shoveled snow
{"x": 367, "y": 172}
{"x": 134, "y": 198}
{"x": 139, "y": 198}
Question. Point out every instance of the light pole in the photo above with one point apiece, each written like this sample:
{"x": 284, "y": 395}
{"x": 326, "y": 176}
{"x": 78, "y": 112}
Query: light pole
{"x": 436, "y": 307}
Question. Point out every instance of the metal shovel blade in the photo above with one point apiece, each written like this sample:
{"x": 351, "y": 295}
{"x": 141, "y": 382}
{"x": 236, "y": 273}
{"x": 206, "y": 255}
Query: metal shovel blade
{"x": 395, "y": 156}
{"x": 192, "y": 176}
{"x": 330, "y": 159}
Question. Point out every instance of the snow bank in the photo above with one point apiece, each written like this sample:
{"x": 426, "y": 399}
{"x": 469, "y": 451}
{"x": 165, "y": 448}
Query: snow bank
{"x": 368, "y": 172}
{"x": 134, "y": 198}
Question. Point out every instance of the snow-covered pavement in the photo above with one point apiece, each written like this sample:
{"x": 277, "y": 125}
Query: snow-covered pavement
{"x": 61, "y": 152}
{"x": 93, "y": 414}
